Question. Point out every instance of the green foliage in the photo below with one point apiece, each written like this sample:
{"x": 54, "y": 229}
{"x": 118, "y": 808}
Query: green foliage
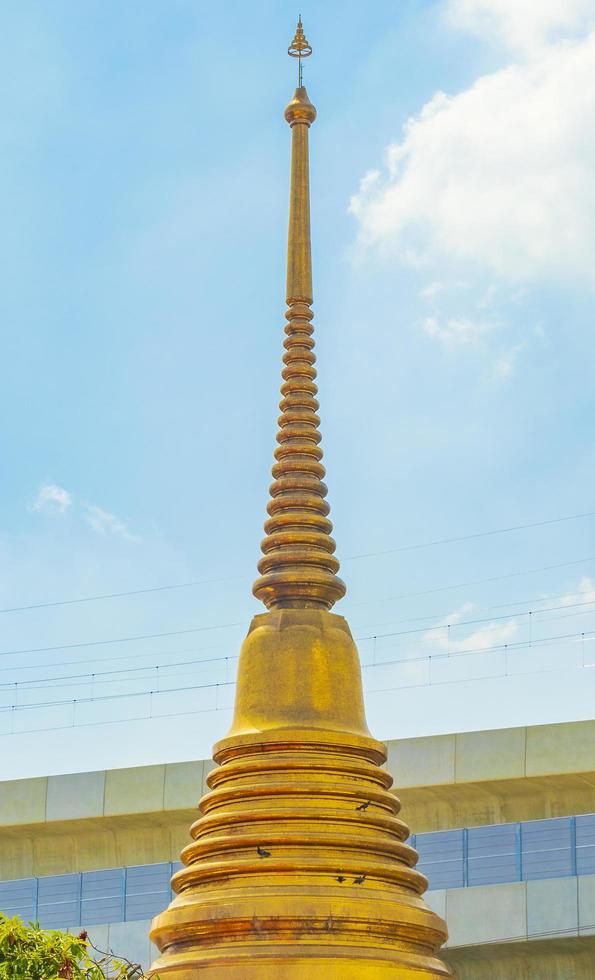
{"x": 30, "y": 953}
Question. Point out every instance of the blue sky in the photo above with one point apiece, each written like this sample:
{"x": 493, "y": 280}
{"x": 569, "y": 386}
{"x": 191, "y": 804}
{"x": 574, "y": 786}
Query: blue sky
{"x": 144, "y": 201}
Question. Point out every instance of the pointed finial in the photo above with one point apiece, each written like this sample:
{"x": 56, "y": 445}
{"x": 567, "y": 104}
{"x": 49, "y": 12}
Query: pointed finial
{"x": 299, "y": 48}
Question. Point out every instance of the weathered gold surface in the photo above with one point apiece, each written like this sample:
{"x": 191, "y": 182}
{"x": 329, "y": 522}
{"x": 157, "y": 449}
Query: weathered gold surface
{"x": 299, "y": 866}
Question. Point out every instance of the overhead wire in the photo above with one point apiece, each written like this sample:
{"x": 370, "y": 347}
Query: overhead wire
{"x": 95, "y": 676}
{"x": 485, "y": 619}
{"x": 86, "y": 677}
{"x": 469, "y": 537}
{"x": 500, "y": 605}
{"x": 121, "y": 595}
{"x": 216, "y": 646}
{"x": 440, "y": 655}
{"x": 118, "y": 659}
{"x": 114, "y": 697}
{"x": 37, "y": 683}
{"x": 479, "y": 581}
{"x": 220, "y": 626}
{"x": 222, "y": 579}
{"x": 120, "y": 639}
{"x": 178, "y": 714}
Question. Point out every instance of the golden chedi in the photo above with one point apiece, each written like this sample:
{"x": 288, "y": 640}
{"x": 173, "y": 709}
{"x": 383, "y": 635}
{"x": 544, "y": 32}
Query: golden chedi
{"x": 299, "y": 866}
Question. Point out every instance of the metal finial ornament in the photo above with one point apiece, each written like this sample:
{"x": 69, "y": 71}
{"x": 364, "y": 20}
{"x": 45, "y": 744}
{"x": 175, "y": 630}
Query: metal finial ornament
{"x": 299, "y": 48}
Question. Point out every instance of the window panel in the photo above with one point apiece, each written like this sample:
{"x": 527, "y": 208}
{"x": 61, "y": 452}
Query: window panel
{"x": 492, "y": 854}
{"x": 441, "y": 858}
{"x": 546, "y": 848}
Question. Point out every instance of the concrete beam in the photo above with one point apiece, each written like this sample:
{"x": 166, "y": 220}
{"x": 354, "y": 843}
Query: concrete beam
{"x": 141, "y": 815}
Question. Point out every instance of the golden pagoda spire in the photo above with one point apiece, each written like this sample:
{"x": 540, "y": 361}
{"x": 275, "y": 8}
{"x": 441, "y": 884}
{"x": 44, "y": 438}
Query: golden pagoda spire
{"x": 299, "y": 568}
{"x": 299, "y": 865}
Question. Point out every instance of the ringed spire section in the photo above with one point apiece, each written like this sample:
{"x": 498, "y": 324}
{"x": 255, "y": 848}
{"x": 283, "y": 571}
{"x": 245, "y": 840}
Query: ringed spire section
{"x": 299, "y": 567}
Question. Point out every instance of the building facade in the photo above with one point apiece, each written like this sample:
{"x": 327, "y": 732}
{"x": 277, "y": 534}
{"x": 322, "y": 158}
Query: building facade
{"x": 504, "y": 823}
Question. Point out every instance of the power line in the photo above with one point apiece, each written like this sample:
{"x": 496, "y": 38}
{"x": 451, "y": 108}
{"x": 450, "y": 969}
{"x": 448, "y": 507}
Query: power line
{"x": 200, "y": 629}
{"x": 470, "y": 537}
{"x": 113, "y": 697}
{"x": 217, "y": 646}
{"x": 235, "y": 578}
{"x": 441, "y": 655}
{"x": 119, "y": 658}
{"x": 120, "y": 639}
{"x": 477, "y": 622}
{"x": 500, "y": 605}
{"x": 96, "y": 675}
{"x": 216, "y": 708}
{"x": 117, "y": 721}
{"x": 478, "y": 581}
{"x": 513, "y": 645}
{"x": 121, "y": 595}
{"x": 543, "y": 598}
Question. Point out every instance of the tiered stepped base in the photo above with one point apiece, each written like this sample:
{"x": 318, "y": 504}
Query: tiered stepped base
{"x": 299, "y": 867}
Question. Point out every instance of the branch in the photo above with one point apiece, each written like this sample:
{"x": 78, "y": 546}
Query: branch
{"x": 134, "y": 971}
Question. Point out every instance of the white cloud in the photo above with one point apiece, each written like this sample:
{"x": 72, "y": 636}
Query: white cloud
{"x": 506, "y": 362}
{"x": 52, "y": 499}
{"x": 493, "y": 634}
{"x": 103, "y": 522}
{"x": 432, "y": 289}
{"x": 456, "y": 615}
{"x": 488, "y": 297}
{"x": 454, "y": 331}
{"x": 437, "y": 286}
{"x": 585, "y": 592}
{"x": 522, "y": 24}
{"x": 500, "y": 177}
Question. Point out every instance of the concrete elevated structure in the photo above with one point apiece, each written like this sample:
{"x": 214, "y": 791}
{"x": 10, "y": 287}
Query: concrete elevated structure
{"x": 513, "y": 806}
